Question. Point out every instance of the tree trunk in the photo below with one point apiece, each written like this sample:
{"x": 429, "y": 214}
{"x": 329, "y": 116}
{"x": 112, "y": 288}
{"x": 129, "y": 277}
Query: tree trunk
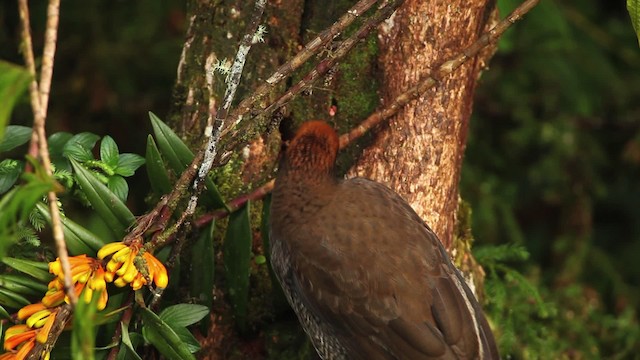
{"x": 419, "y": 153}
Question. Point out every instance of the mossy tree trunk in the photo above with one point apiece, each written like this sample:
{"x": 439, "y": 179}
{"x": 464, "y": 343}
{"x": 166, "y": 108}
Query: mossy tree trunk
{"x": 419, "y": 153}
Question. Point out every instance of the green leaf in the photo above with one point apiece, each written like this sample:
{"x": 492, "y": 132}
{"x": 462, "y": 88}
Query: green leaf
{"x": 203, "y": 269}
{"x": 35, "y": 269}
{"x": 13, "y": 81}
{"x": 119, "y": 186}
{"x": 79, "y": 240}
{"x": 4, "y": 314}
{"x": 83, "y": 335}
{"x": 57, "y": 141}
{"x": 179, "y": 157}
{"x": 14, "y": 136}
{"x": 187, "y": 338}
{"x": 182, "y": 315}
{"x": 128, "y": 164}
{"x": 163, "y": 338}
{"x": 22, "y": 285}
{"x": 237, "y": 256}
{"x": 126, "y": 340}
{"x": 109, "y": 153}
{"x": 633, "y": 6}
{"x": 108, "y": 206}
{"x": 79, "y": 146}
{"x": 156, "y": 171}
{"x": 16, "y": 206}
{"x": 10, "y": 171}
{"x": 11, "y": 299}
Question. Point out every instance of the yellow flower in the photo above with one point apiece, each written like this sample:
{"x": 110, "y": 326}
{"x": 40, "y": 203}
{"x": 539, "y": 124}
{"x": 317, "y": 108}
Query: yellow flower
{"x": 43, "y": 333}
{"x": 29, "y": 310}
{"x": 124, "y": 266}
{"x": 86, "y": 272}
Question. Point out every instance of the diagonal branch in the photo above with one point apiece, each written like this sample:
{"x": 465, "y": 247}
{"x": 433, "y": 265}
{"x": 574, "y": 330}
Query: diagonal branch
{"x": 311, "y": 48}
{"x": 444, "y": 69}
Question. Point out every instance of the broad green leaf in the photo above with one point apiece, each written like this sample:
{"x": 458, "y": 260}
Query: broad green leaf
{"x": 163, "y": 338}
{"x": 633, "y": 6}
{"x": 83, "y": 335}
{"x": 179, "y": 156}
{"x": 79, "y": 146}
{"x": 237, "y": 256}
{"x": 11, "y": 299}
{"x": 119, "y": 186}
{"x": 35, "y": 269}
{"x": 187, "y": 338}
{"x": 182, "y": 315}
{"x": 128, "y": 164}
{"x": 16, "y": 206}
{"x": 22, "y": 285}
{"x": 14, "y": 136}
{"x": 203, "y": 270}
{"x": 126, "y": 340}
{"x": 109, "y": 153}
{"x": 57, "y": 141}
{"x": 156, "y": 170}
{"x": 108, "y": 206}
{"x": 10, "y": 171}
{"x": 13, "y": 81}
{"x": 79, "y": 240}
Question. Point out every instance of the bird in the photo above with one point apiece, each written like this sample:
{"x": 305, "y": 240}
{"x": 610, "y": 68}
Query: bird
{"x": 366, "y": 276}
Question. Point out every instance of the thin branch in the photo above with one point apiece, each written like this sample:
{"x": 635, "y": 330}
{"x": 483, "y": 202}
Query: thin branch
{"x": 310, "y": 49}
{"x": 376, "y": 118}
{"x": 443, "y": 70}
{"x": 212, "y": 132}
{"x": 328, "y": 63}
{"x": 40, "y": 114}
{"x": 48, "y": 53}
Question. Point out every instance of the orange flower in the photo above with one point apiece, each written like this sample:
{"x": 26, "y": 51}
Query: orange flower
{"x": 18, "y": 334}
{"x": 86, "y": 272}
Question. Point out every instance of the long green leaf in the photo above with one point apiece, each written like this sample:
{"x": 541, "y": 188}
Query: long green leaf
{"x": 35, "y": 269}
{"x": 203, "y": 267}
{"x": 156, "y": 171}
{"x": 237, "y": 256}
{"x": 79, "y": 240}
{"x": 4, "y": 314}
{"x": 179, "y": 157}
{"x": 22, "y": 285}
{"x": 111, "y": 209}
{"x": 13, "y": 81}
{"x": 182, "y": 315}
{"x": 163, "y": 338}
{"x": 11, "y": 299}
{"x": 126, "y": 340}
{"x": 83, "y": 336}
{"x": 633, "y": 6}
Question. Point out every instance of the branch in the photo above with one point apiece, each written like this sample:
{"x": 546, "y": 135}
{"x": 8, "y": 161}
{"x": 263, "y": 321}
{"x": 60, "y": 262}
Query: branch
{"x": 290, "y": 66}
{"x": 39, "y": 101}
{"x": 376, "y": 118}
{"x": 329, "y": 62}
{"x": 443, "y": 70}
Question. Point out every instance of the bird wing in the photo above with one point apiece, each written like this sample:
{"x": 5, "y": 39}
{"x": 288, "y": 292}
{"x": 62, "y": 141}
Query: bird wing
{"x": 384, "y": 279}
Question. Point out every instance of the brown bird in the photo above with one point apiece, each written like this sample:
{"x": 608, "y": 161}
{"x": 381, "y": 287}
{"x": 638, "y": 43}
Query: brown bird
{"x": 366, "y": 276}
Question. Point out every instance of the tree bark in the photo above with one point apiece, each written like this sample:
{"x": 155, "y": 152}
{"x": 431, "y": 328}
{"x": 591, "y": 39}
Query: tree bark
{"x": 419, "y": 153}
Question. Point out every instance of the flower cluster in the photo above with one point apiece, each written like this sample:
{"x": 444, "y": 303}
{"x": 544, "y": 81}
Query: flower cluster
{"x": 128, "y": 265}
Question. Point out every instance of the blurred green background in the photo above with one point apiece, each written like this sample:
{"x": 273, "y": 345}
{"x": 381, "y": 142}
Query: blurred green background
{"x": 551, "y": 168}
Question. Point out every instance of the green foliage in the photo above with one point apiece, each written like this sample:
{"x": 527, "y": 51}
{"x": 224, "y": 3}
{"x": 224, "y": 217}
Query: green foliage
{"x": 633, "y": 6}
{"x": 237, "y": 257}
{"x": 13, "y": 81}
{"x": 164, "y": 338}
{"x": 83, "y": 337}
{"x": 552, "y": 146}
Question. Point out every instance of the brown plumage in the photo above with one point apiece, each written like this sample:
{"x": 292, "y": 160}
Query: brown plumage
{"x": 366, "y": 276}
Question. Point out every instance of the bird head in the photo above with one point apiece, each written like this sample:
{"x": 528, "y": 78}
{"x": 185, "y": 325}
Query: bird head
{"x": 313, "y": 149}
